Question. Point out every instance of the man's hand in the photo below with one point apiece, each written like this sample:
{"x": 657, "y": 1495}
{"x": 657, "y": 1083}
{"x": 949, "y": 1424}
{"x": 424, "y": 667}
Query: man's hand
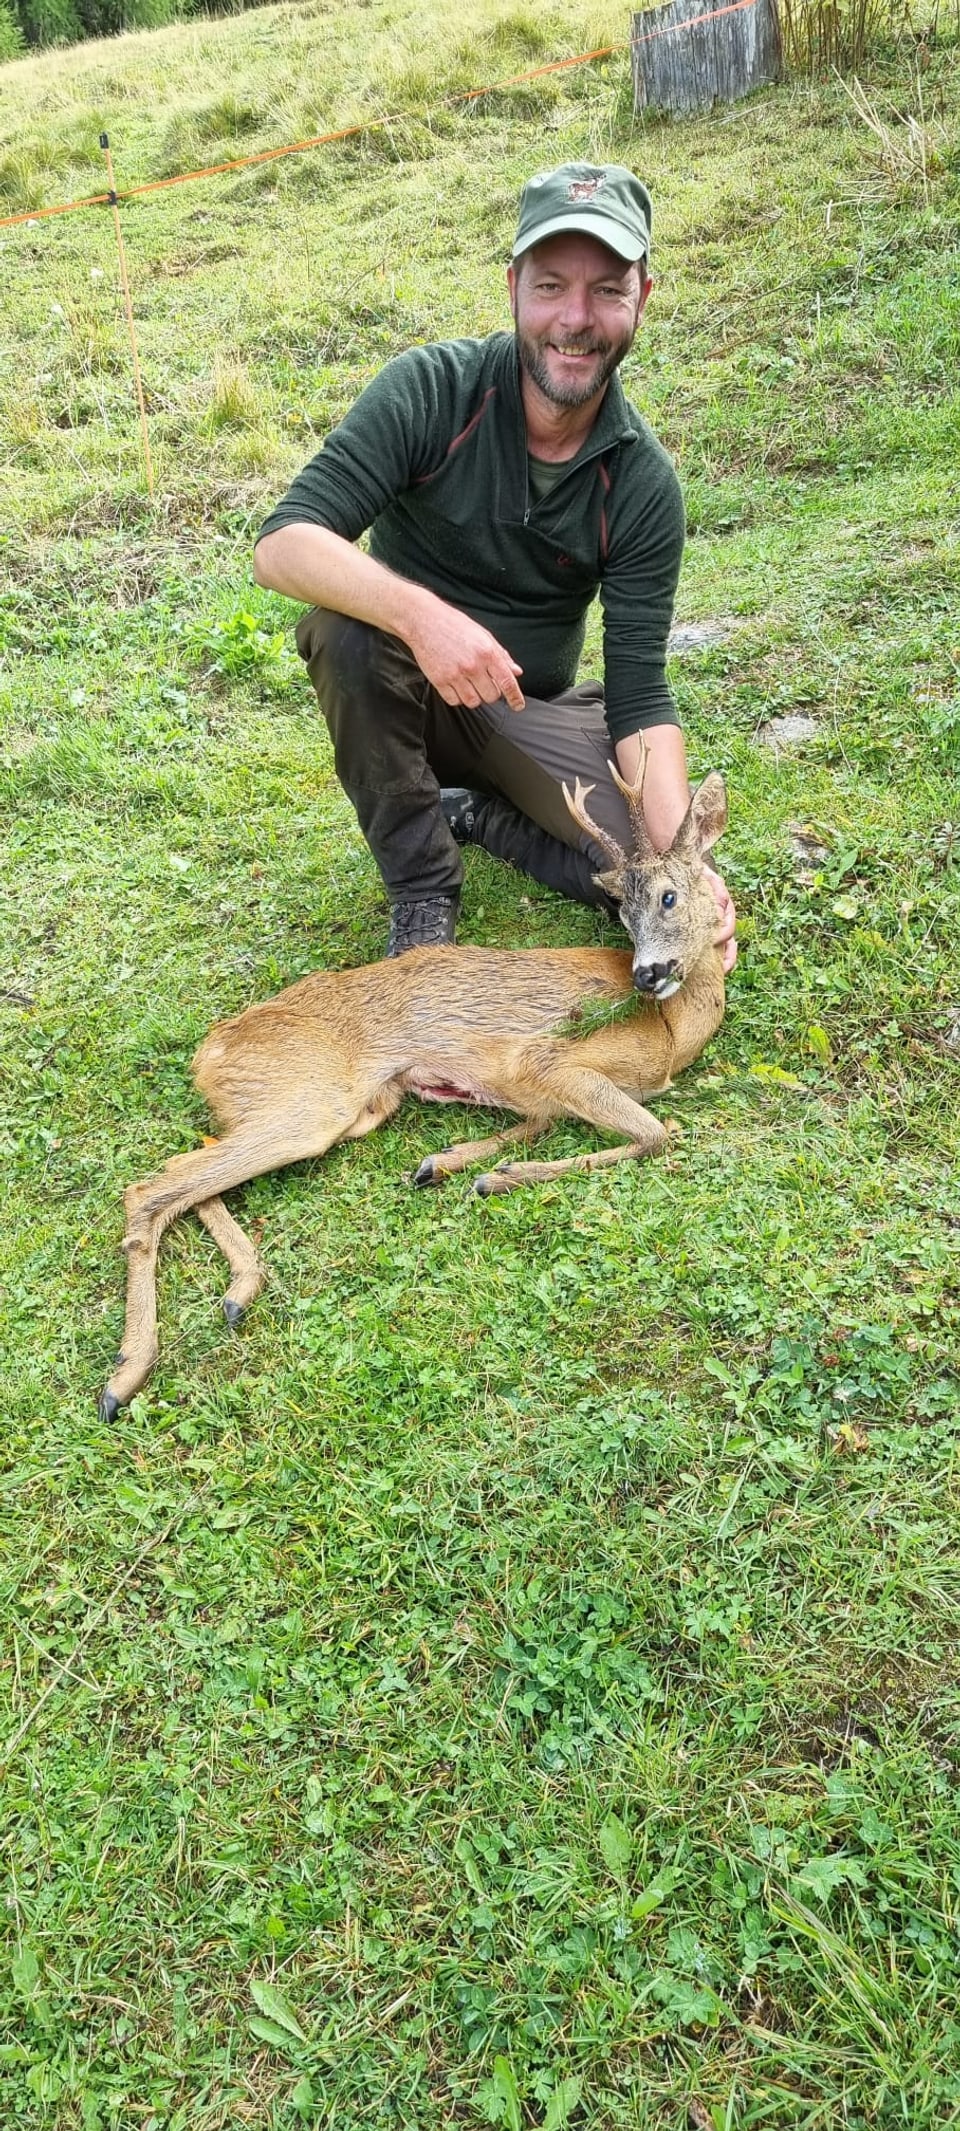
{"x": 464, "y": 663}
{"x": 724, "y": 936}
{"x": 461, "y": 660}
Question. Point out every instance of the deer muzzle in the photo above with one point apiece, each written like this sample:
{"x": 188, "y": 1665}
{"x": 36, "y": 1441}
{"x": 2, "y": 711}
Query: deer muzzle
{"x": 657, "y": 980}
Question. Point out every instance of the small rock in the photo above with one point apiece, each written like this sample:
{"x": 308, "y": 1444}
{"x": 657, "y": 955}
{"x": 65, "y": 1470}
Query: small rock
{"x": 790, "y": 731}
{"x": 698, "y": 636}
{"x": 805, "y": 844}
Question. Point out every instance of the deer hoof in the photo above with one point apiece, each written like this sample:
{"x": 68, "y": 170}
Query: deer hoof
{"x": 109, "y": 1407}
{"x": 429, "y": 1172}
{"x": 492, "y": 1182}
{"x": 233, "y": 1312}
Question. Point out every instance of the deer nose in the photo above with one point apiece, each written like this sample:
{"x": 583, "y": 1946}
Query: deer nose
{"x": 652, "y": 976}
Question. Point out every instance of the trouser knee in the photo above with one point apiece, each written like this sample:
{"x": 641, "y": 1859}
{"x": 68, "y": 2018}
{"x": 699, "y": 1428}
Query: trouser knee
{"x": 345, "y": 650}
{"x": 373, "y": 698}
{"x": 344, "y": 659}
{"x": 375, "y": 702}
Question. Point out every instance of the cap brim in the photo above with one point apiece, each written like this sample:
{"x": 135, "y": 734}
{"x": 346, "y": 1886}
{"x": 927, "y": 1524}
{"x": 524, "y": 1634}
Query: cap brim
{"x": 606, "y": 232}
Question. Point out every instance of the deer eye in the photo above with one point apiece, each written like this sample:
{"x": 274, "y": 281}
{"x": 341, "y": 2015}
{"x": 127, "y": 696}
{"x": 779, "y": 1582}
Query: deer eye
{"x": 667, "y": 899}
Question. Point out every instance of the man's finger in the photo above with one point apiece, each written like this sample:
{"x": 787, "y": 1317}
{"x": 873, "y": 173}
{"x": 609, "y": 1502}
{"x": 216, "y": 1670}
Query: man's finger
{"x": 508, "y": 685}
{"x": 507, "y": 677}
{"x": 498, "y": 688}
{"x": 490, "y": 686}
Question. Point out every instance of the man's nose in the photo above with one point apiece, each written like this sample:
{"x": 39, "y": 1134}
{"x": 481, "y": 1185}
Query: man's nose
{"x": 576, "y": 312}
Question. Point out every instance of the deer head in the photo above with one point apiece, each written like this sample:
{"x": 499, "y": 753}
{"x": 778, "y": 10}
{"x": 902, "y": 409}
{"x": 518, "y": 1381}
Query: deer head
{"x": 666, "y": 902}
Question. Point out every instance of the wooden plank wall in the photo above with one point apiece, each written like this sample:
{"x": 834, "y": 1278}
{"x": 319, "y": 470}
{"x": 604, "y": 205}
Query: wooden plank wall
{"x": 683, "y": 63}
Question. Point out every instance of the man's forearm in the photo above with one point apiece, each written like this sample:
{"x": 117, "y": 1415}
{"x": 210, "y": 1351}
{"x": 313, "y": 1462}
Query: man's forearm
{"x": 311, "y": 563}
{"x": 666, "y": 787}
{"x": 459, "y": 657}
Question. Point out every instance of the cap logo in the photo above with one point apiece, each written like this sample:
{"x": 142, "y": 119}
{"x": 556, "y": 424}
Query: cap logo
{"x": 585, "y": 188}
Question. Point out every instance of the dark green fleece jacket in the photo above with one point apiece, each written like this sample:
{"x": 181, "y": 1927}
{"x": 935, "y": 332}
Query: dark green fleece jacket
{"x": 432, "y": 460}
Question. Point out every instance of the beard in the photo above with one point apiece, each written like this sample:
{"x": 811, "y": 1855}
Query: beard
{"x": 572, "y": 392}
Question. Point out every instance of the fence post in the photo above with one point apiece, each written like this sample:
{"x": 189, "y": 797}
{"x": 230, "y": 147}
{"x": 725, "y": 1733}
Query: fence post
{"x": 694, "y": 53}
{"x": 128, "y": 306}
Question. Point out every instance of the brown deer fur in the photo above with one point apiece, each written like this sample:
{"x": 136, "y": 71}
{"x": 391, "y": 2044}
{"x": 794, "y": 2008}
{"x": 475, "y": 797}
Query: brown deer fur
{"x": 332, "y": 1057}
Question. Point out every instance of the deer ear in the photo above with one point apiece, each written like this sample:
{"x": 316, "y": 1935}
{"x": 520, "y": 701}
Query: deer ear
{"x": 705, "y": 819}
{"x": 611, "y": 883}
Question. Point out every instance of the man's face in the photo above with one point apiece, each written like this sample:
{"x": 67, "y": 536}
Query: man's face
{"x": 576, "y": 306}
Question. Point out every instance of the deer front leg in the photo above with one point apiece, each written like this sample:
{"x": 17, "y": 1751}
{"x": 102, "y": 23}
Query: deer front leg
{"x": 436, "y": 1167}
{"x": 581, "y": 1093}
{"x": 508, "y": 1176}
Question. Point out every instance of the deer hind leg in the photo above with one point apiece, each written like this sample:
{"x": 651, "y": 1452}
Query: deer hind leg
{"x": 581, "y": 1093}
{"x": 193, "y": 1180}
{"x": 248, "y": 1272}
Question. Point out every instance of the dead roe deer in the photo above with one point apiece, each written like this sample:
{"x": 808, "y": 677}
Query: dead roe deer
{"x": 333, "y": 1056}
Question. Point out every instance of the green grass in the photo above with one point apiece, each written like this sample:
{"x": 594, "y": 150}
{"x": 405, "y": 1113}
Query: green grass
{"x": 513, "y": 1681}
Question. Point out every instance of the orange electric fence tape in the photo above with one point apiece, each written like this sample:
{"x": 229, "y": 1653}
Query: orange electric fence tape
{"x": 112, "y": 198}
{"x": 370, "y": 125}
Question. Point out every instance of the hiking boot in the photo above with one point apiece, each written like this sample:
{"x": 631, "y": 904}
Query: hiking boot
{"x": 431, "y": 922}
{"x": 460, "y": 809}
{"x": 499, "y": 828}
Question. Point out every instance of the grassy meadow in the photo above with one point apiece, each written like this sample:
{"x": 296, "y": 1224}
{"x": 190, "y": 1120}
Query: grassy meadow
{"x": 513, "y": 1681}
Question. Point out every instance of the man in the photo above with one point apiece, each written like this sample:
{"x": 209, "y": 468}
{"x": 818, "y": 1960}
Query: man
{"x": 503, "y": 482}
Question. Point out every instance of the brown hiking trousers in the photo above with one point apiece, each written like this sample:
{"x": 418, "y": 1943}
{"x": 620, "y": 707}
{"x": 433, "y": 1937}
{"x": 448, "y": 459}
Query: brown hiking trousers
{"x": 396, "y": 743}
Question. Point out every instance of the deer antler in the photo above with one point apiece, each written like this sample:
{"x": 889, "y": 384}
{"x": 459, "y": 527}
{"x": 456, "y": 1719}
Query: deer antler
{"x": 633, "y": 794}
{"x": 608, "y": 844}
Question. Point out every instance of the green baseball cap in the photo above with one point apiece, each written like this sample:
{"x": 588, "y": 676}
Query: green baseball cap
{"x": 602, "y": 200}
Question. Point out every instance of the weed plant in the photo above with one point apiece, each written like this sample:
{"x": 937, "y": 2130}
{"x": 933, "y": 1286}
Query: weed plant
{"x": 514, "y": 1680}
{"x": 822, "y": 37}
